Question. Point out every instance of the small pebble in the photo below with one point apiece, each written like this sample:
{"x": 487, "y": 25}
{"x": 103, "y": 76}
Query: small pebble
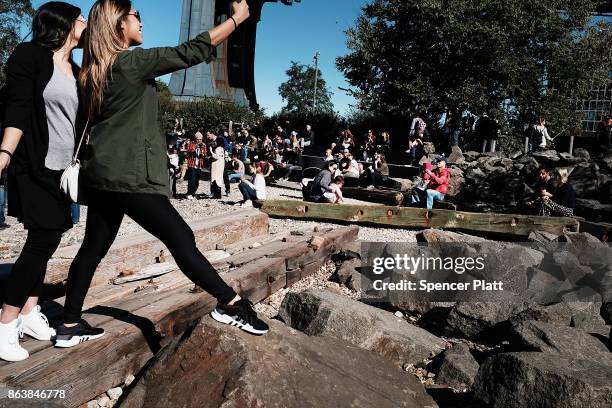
{"x": 129, "y": 380}
{"x": 115, "y": 393}
{"x": 104, "y": 401}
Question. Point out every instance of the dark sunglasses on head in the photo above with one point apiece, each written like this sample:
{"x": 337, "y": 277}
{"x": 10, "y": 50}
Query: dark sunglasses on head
{"x": 137, "y": 15}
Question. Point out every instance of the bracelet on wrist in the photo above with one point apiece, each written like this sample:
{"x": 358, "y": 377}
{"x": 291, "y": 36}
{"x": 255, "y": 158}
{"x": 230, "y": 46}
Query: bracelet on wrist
{"x": 7, "y": 152}
{"x": 235, "y": 23}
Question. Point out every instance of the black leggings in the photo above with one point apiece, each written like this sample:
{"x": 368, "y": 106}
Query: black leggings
{"x": 155, "y": 214}
{"x": 28, "y": 274}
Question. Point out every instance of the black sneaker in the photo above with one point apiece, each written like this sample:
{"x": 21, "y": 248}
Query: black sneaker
{"x": 72, "y": 336}
{"x": 240, "y": 315}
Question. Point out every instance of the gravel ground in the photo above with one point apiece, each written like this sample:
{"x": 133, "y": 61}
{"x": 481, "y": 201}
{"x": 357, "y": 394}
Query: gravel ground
{"x": 319, "y": 280}
{"x": 12, "y": 239}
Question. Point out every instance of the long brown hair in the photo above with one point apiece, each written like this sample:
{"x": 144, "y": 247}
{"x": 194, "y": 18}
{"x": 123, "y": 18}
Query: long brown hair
{"x": 103, "y": 42}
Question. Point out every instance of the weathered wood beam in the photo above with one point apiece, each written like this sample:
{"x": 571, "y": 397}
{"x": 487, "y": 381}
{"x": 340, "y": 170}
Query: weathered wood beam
{"x": 377, "y": 195}
{"x": 489, "y": 223}
{"x": 140, "y": 324}
{"x": 139, "y": 251}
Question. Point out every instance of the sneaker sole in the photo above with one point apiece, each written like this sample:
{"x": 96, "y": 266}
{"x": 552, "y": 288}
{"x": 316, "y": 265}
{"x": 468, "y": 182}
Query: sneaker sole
{"x": 36, "y": 337}
{"x": 14, "y": 360}
{"x": 76, "y": 340}
{"x": 221, "y": 318}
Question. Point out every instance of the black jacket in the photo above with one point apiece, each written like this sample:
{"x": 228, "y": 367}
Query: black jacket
{"x": 28, "y": 71}
{"x": 34, "y": 195}
{"x": 565, "y": 196}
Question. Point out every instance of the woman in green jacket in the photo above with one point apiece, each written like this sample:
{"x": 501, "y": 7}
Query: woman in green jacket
{"x": 124, "y": 171}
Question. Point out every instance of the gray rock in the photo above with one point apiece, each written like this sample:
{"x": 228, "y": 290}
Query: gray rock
{"x": 325, "y": 314}
{"x": 350, "y": 275}
{"x": 590, "y": 323}
{"x": 216, "y": 365}
{"x": 532, "y": 335}
{"x": 593, "y": 210}
{"x": 542, "y": 237}
{"x": 582, "y": 153}
{"x": 459, "y": 368}
{"x": 561, "y": 313}
{"x": 548, "y": 157}
{"x": 543, "y": 380}
{"x": 473, "y": 319}
{"x": 456, "y": 155}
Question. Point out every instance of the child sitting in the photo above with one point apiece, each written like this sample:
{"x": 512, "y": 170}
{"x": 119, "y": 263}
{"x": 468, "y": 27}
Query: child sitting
{"x": 334, "y": 191}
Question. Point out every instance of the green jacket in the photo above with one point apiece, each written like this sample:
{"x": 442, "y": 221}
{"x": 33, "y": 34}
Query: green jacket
{"x": 127, "y": 147}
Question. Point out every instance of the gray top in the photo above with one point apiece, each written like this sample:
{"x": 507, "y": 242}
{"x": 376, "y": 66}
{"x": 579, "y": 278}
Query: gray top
{"x": 61, "y": 103}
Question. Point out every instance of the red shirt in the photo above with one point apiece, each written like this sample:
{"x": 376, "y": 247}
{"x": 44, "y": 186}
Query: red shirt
{"x": 196, "y": 155}
{"x": 439, "y": 180}
{"x": 263, "y": 166}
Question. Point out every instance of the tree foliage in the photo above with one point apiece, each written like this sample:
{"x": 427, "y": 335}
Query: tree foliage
{"x": 298, "y": 90}
{"x": 14, "y": 14}
{"x": 515, "y": 57}
{"x": 206, "y": 114}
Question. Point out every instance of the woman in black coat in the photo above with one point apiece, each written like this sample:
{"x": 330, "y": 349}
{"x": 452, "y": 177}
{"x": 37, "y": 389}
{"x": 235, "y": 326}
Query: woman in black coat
{"x": 41, "y": 121}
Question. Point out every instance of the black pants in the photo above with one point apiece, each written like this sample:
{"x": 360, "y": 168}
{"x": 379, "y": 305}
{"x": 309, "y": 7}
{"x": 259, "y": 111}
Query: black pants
{"x": 193, "y": 180}
{"x": 28, "y": 273}
{"x": 156, "y": 215}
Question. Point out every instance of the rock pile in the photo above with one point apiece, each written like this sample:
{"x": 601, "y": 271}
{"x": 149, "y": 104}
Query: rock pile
{"x": 494, "y": 182}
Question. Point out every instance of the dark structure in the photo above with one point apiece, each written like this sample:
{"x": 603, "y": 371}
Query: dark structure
{"x": 232, "y": 75}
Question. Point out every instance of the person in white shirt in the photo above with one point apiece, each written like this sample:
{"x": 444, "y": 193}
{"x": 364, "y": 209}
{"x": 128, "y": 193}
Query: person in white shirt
{"x": 540, "y": 136}
{"x": 253, "y": 189}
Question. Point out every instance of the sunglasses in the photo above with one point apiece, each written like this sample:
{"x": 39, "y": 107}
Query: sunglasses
{"x": 137, "y": 15}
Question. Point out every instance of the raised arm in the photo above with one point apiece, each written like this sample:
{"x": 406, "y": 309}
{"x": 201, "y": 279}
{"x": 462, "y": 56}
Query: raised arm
{"x": 155, "y": 62}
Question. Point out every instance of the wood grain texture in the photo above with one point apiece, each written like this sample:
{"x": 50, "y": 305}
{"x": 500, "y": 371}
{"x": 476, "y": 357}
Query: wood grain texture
{"x": 504, "y": 224}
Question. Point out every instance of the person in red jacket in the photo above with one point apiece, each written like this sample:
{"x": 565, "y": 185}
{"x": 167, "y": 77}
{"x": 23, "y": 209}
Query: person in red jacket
{"x": 437, "y": 186}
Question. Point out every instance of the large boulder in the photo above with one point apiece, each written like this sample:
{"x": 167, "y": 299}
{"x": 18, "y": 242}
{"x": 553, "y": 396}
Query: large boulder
{"x": 561, "y": 313}
{"x": 456, "y": 155}
{"x": 534, "y": 335}
{"x": 459, "y": 368}
{"x": 547, "y": 157}
{"x": 543, "y": 380}
{"x": 456, "y": 182}
{"x": 474, "y": 319}
{"x": 326, "y": 314}
{"x": 590, "y": 323}
{"x": 216, "y": 365}
{"x": 593, "y": 210}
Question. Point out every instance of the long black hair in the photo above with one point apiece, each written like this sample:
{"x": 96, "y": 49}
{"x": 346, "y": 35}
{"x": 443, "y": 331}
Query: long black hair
{"x": 53, "y": 23}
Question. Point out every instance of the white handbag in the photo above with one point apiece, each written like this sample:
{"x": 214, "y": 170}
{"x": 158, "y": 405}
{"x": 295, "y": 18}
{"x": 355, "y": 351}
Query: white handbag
{"x": 69, "y": 183}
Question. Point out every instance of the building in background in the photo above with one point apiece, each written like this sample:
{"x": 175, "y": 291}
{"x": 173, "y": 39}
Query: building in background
{"x": 231, "y": 75}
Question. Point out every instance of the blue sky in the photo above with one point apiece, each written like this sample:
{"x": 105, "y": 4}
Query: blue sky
{"x": 285, "y": 34}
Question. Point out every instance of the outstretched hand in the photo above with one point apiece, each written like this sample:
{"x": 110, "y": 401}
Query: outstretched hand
{"x": 240, "y": 10}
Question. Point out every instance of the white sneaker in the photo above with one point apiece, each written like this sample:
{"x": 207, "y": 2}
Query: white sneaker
{"x": 36, "y": 325}
{"x": 247, "y": 204}
{"x": 10, "y": 350}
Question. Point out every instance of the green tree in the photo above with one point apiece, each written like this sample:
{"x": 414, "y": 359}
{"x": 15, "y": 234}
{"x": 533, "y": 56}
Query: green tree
{"x": 518, "y": 56}
{"x": 166, "y": 100}
{"x": 298, "y": 90}
{"x": 14, "y": 14}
